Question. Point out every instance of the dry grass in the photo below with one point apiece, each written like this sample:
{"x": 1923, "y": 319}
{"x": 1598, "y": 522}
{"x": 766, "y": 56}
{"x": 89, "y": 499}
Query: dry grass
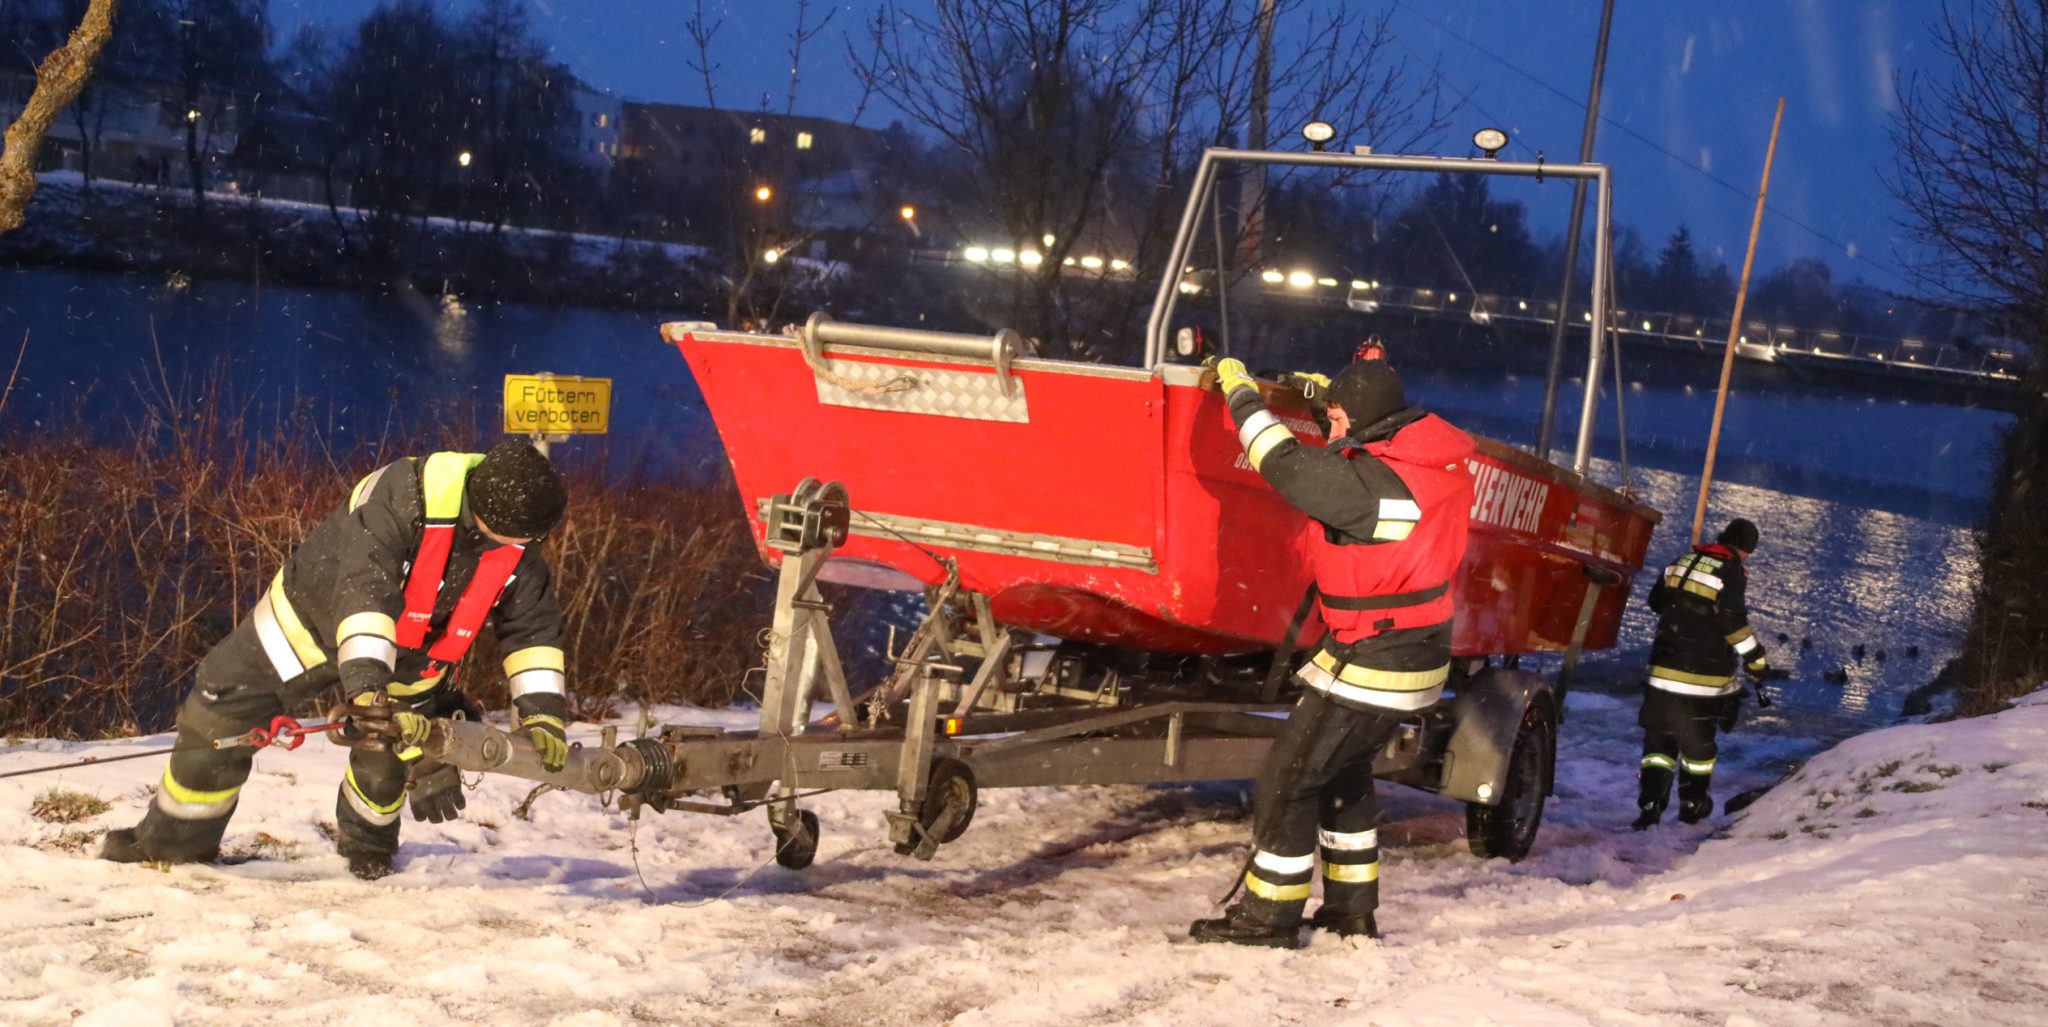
{"x": 126, "y": 561}
{"x": 64, "y": 806}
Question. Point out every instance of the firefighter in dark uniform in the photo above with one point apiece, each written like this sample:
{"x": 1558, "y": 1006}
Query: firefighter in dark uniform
{"x": 1389, "y": 501}
{"x": 1702, "y": 633}
{"x": 382, "y": 599}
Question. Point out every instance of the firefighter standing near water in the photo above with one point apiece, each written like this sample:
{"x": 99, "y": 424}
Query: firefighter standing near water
{"x": 1389, "y": 501}
{"x": 1702, "y": 633}
{"x": 383, "y": 598}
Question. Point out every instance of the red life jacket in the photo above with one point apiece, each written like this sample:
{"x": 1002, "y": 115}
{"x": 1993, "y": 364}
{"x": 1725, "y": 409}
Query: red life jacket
{"x": 441, "y": 482}
{"x": 1406, "y": 581}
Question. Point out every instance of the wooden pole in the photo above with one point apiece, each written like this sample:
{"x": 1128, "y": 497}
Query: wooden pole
{"x": 1756, "y": 225}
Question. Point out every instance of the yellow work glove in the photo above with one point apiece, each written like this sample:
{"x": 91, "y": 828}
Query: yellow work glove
{"x": 412, "y": 727}
{"x": 1311, "y": 384}
{"x": 373, "y": 714}
{"x": 550, "y": 739}
{"x": 1231, "y": 374}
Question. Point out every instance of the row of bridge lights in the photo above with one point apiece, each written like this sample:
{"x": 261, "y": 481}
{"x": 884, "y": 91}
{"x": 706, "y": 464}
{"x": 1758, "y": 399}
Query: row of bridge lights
{"x": 1304, "y": 279}
{"x": 1033, "y": 258}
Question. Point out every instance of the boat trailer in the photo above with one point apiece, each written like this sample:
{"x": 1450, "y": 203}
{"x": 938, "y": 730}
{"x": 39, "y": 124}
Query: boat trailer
{"x": 973, "y": 705}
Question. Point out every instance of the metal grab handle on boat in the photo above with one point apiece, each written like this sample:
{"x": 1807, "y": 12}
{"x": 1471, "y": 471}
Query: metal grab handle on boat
{"x": 998, "y": 349}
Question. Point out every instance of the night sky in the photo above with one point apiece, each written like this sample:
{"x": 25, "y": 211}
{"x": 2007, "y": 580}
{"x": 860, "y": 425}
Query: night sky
{"x": 1697, "y": 80}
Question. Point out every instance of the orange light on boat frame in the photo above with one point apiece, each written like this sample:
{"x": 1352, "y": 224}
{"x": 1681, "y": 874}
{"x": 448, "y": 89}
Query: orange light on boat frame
{"x": 953, "y": 725}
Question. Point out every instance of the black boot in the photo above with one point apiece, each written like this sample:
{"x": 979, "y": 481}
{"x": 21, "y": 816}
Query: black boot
{"x": 371, "y": 866}
{"x": 1648, "y": 817}
{"x": 1344, "y": 925}
{"x": 1239, "y": 927}
{"x": 1694, "y": 808}
{"x": 121, "y": 845}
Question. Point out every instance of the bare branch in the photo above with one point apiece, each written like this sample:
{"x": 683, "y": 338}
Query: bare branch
{"x": 59, "y": 80}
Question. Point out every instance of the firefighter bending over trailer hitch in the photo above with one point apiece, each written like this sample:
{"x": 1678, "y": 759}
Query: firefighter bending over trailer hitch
{"x": 381, "y": 602}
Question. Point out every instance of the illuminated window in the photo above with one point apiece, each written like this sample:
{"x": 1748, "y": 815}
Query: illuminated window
{"x": 803, "y": 140}
{"x": 757, "y": 135}
{"x": 602, "y": 119}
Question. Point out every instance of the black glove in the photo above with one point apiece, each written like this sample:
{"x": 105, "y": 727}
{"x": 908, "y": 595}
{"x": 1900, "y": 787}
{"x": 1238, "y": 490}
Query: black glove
{"x": 360, "y": 677}
{"x": 1763, "y": 698}
{"x": 542, "y": 718}
{"x": 436, "y": 793}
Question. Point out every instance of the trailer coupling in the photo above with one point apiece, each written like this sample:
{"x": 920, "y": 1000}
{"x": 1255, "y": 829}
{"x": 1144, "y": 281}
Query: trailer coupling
{"x": 643, "y": 767}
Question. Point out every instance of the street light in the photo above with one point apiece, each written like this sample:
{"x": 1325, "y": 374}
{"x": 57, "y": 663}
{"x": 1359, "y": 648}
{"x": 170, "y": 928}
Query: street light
{"x": 1490, "y": 141}
{"x": 908, "y": 213}
{"x": 463, "y": 158}
{"x": 763, "y": 194}
{"x": 1319, "y": 134}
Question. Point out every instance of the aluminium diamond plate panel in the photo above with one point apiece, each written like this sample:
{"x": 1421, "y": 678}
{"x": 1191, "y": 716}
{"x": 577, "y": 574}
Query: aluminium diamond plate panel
{"x": 973, "y": 395}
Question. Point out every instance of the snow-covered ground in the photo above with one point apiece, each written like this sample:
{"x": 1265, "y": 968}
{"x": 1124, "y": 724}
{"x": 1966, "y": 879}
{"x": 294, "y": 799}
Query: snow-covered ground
{"x": 1901, "y": 878}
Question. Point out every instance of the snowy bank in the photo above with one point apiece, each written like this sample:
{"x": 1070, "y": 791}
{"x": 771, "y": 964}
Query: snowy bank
{"x": 1900, "y": 878}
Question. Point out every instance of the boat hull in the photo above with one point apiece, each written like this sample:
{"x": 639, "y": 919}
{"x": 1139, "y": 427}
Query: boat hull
{"x": 1114, "y": 505}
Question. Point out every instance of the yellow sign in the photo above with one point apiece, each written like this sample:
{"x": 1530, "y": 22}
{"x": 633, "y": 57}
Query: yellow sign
{"x": 552, "y": 404}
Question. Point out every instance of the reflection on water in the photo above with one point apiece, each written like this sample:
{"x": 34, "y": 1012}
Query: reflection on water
{"x": 345, "y": 358}
{"x": 451, "y": 329}
{"x": 1829, "y": 576}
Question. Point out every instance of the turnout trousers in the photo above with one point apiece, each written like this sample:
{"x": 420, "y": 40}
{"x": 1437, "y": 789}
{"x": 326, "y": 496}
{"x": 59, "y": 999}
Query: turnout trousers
{"x": 1315, "y": 799}
{"x": 237, "y": 689}
{"x": 1679, "y": 741}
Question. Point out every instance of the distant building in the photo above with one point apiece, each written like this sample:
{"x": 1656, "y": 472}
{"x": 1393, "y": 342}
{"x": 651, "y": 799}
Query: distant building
{"x": 134, "y": 130}
{"x": 704, "y": 147}
{"x": 600, "y": 120}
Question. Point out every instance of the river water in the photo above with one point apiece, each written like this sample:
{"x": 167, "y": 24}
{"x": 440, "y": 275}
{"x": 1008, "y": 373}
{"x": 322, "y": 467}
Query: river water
{"x": 1865, "y": 503}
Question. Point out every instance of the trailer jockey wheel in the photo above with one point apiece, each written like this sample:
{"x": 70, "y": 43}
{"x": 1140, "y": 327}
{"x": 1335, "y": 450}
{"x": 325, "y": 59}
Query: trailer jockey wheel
{"x": 949, "y": 803}
{"x": 796, "y": 846}
{"x": 1509, "y": 829}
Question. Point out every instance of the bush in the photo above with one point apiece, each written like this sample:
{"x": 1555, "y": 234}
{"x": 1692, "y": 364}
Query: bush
{"x": 126, "y": 561}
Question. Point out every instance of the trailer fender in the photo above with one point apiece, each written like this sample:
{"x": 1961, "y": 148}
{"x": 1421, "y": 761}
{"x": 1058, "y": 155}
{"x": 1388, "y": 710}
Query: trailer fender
{"x": 1488, "y": 710}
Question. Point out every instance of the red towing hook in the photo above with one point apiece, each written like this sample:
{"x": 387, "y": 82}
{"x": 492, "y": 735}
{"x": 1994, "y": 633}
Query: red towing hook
{"x": 284, "y": 732}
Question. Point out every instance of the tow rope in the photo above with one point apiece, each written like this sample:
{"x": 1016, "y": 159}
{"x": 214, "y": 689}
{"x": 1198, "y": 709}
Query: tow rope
{"x": 284, "y": 732}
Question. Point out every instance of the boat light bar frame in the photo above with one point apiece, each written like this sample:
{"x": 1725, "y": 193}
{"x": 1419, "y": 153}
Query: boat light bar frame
{"x": 1204, "y": 191}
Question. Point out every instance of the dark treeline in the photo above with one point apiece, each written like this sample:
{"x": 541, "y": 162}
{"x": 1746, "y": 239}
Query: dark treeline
{"x": 1452, "y": 233}
{"x": 417, "y": 137}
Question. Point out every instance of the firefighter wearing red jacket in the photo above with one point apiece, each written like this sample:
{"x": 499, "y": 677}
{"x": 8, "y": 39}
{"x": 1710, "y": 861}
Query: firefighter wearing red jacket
{"x": 1702, "y": 633}
{"x": 1389, "y": 501}
{"x": 383, "y": 599}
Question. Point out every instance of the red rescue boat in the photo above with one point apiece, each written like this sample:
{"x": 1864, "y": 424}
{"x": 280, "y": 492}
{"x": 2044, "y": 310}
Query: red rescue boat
{"x": 1114, "y": 504}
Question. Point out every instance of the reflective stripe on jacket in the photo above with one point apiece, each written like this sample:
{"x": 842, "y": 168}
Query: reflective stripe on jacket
{"x": 1389, "y": 514}
{"x": 341, "y": 592}
{"x": 1703, "y": 629}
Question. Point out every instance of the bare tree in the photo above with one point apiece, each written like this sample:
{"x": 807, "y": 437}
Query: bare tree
{"x": 219, "y": 51}
{"x": 760, "y": 182}
{"x": 59, "y": 79}
{"x": 1081, "y": 121}
{"x": 1973, "y": 178}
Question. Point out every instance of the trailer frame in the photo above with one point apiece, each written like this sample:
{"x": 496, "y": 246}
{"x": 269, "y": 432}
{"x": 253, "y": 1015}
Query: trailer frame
{"x": 1018, "y": 720}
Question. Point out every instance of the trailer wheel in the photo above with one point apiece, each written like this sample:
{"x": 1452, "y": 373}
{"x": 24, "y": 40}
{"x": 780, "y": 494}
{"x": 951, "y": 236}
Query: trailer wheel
{"x": 950, "y": 799}
{"x": 1509, "y": 829}
{"x": 796, "y": 847}
{"x": 952, "y": 785}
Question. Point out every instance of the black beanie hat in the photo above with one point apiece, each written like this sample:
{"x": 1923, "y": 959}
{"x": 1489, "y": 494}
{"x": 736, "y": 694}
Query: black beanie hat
{"x": 515, "y": 491}
{"x": 1739, "y": 534}
{"x": 1367, "y": 390}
